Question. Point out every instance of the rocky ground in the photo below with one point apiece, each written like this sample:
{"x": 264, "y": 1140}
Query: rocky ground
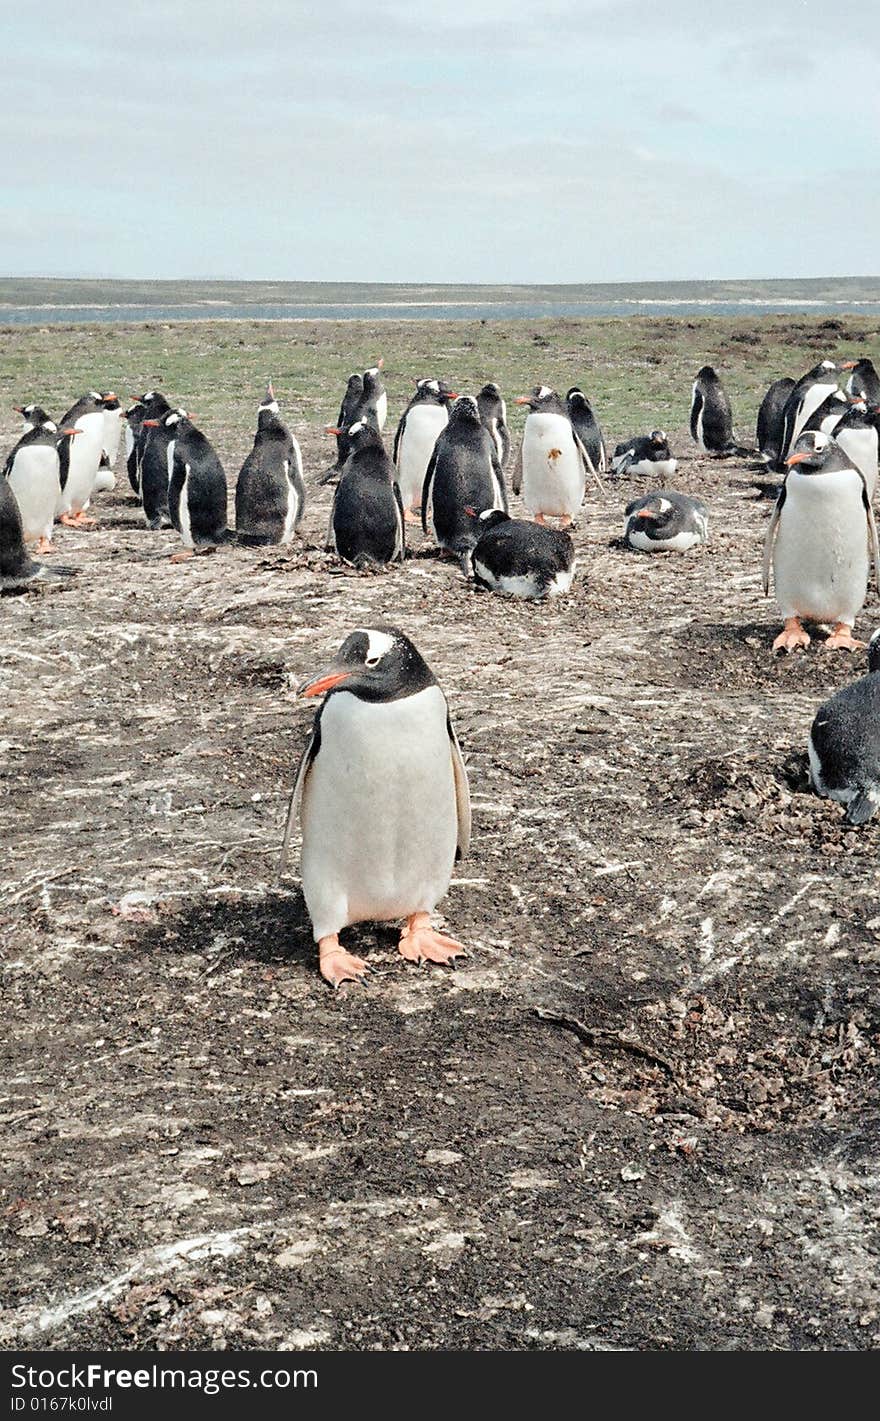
{"x": 642, "y": 1114}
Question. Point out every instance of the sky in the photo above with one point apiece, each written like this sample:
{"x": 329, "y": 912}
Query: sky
{"x": 560, "y": 141}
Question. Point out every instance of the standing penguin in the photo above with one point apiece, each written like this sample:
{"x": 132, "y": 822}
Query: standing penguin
{"x": 32, "y": 416}
{"x": 822, "y": 522}
{"x": 354, "y": 391}
{"x": 770, "y": 428}
{"x": 33, "y": 469}
{"x": 424, "y": 418}
{"x": 863, "y": 382}
{"x": 114, "y": 417}
{"x": 806, "y": 397}
{"x": 551, "y": 467}
{"x": 366, "y": 518}
{"x": 197, "y": 488}
{"x": 463, "y": 478}
{"x": 373, "y": 403}
{"x": 857, "y": 435}
{"x": 270, "y": 495}
{"x": 521, "y": 558}
{"x": 828, "y": 415}
{"x": 147, "y": 460}
{"x": 711, "y": 417}
{"x": 383, "y": 801}
{"x": 844, "y": 744}
{"x": 645, "y": 454}
{"x": 493, "y": 414}
{"x": 87, "y": 415}
{"x": 17, "y": 568}
{"x": 586, "y": 427}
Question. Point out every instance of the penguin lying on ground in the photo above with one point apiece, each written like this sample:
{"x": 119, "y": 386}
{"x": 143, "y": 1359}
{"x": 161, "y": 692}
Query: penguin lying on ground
{"x": 586, "y": 427}
{"x": 197, "y": 487}
{"x": 366, "y": 518}
{"x": 521, "y": 558}
{"x": 270, "y": 495}
{"x": 844, "y": 743}
{"x": 770, "y": 428}
{"x": 493, "y": 416}
{"x": 17, "y": 569}
{"x": 552, "y": 464}
{"x": 35, "y": 475}
{"x": 666, "y": 522}
{"x": 383, "y": 801}
{"x": 463, "y": 473}
{"x": 711, "y": 417}
{"x": 645, "y": 454}
{"x": 424, "y": 418}
{"x": 863, "y": 382}
{"x": 822, "y": 524}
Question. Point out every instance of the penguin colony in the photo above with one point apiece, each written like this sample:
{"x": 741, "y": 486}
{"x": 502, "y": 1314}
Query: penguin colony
{"x": 367, "y": 853}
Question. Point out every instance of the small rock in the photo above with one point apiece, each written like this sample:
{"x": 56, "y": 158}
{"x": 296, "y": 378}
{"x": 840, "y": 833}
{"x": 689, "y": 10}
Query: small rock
{"x": 631, "y": 1172}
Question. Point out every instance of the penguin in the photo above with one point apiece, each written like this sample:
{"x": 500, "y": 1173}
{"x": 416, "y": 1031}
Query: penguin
{"x": 114, "y": 417}
{"x": 463, "y": 473}
{"x": 270, "y": 495}
{"x": 196, "y": 489}
{"x": 666, "y": 522}
{"x": 32, "y": 416}
{"x": 863, "y": 382}
{"x": 858, "y": 435}
{"x": 33, "y": 470}
{"x": 829, "y": 414}
{"x": 770, "y": 426}
{"x": 424, "y": 418}
{"x": 822, "y": 523}
{"x": 383, "y": 801}
{"x": 373, "y": 403}
{"x": 586, "y": 427}
{"x": 17, "y": 568}
{"x": 711, "y": 417}
{"x": 521, "y": 558}
{"x": 844, "y": 744}
{"x": 645, "y": 454}
{"x": 87, "y": 415}
{"x": 493, "y": 415}
{"x": 350, "y": 400}
{"x": 806, "y": 397}
{"x": 552, "y": 464}
{"x": 366, "y": 517}
{"x": 144, "y": 425}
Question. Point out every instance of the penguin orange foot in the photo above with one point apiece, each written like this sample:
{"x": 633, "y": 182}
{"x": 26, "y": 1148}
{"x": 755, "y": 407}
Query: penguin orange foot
{"x": 420, "y": 943}
{"x": 183, "y": 556}
{"x": 337, "y": 965}
{"x": 791, "y": 636}
{"x": 842, "y": 637}
{"x": 77, "y": 520}
{"x": 412, "y": 515}
{"x": 43, "y": 547}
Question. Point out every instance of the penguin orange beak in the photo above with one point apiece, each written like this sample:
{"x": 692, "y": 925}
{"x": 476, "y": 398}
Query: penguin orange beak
{"x": 325, "y": 682}
{"x": 451, "y": 395}
{"x": 797, "y": 459}
{"x": 646, "y": 513}
{"x": 380, "y": 363}
{"x": 71, "y": 431}
{"x": 848, "y": 365}
{"x": 521, "y": 400}
{"x": 19, "y": 409}
{"x": 151, "y": 424}
{"x": 333, "y": 429}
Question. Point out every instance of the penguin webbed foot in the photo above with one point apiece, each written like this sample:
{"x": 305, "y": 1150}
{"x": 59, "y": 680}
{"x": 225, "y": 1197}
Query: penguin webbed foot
{"x": 183, "y": 556}
{"x": 842, "y": 638}
{"x": 792, "y": 636}
{"x": 862, "y": 807}
{"x": 77, "y": 520}
{"x": 419, "y": 942}
{"x": 338, "y": 966}
{"x": 44, "y": 548}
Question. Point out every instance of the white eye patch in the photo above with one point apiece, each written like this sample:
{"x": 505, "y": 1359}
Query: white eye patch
{"x": 356, "y": 427}
{"x": 544, "y": 392}
{"x": 378, "y": 645}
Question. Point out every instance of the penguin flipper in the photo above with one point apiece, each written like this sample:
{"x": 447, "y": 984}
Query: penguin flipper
{"x": 516, "y": 481}
{"x": 296, "y": 793}
{"x": 462, "y": 794}
{"x": 768, "y": 542}
{"x": 426, "y": 488}
{"x": 400, "y": 537}
{"x": 397, "y": 438}
{"x": 872, "y": 533}
{"x": 861, "y": 808}
{"x": 498, "y": 477}
{"x": 587, "y": 462}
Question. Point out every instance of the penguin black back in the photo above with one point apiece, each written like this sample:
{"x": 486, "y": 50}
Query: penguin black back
{"x": 366, "y": 520}
{"x": 197, "y": 489}
{"x": 464, "y": 473}
{"x": 270, "y": 493}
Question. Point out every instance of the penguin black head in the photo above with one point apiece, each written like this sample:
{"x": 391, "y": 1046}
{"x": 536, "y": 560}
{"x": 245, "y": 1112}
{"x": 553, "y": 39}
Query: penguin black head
{"x": 659, "y": 440}
{"x": 374, "y": 664}
{"x": 269, "y": 401}
{"x": 490, "y": 391}
{"x": 489, "y": 518}
{"x": 110, "y": 400}
{"x": 373, "y": 380}
{"x": 707, "y": 376}
{"x": 541, "y": 400}
{"x": 172, "y": 420}
{"x": 874, "y": 651}
{"x": 821, "y": 371}
{"x": 34, "y": 415}
{"x": 817, "y": 453}
{"x": 656, "y": 510}
{"x": 577, "y": 400}
{"x": 362, "y": 434}
{"x": 464, "y": 411}
{"x": 434, "y": 392}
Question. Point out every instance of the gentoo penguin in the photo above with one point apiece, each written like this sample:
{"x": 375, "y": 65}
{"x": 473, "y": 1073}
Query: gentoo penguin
{"x": 770, "y": 426}
{"x": 32, "y": 416}
{"x": 373, "y": 403}
{"x": 552, "y": 464}
{"x": 645, "y": 454}
{"x": 383, "y": 801}
{"x": 366, "y": 517}
{"x": 863, "y": 382}
{"x": 270, "y": 495}
{"x": 144, "y": 428}
{"x": 586, "y": 427}
{"x": 844, "y": 743}
{"x": 828, "y": 415}
{"x": 354, "y": 391}
{"x": 87, "y": 415}
{"x": 463, "y": 473}
{"x": 522, "y": 558}
{"x": 857, "y": 435}
{"x": 806, "y": 397}
{"x": 493, "y": 414}
{"x": 17, "y": 568}
{"x": 666, "y": 522}
{"x": 196, "y": 489}
{"x": 711, "y": 418}
{"x": 424, "y": 418}
{"x": 33, "y": 469}
{"x": 114, "y": 418}
{"x": 822, "y": 522}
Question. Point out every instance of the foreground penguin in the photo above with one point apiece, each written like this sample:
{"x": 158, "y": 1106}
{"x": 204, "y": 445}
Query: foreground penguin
{"x": 863, "y": 382}
{"x": 197, "y": 487}
{"x": 770, "y": 428}
{"x": 270, "y": 495}
{"x": 87, "y": 415}
{"x": 808, "y": 394}
{"x": 424, "y": 418}
{"x": 33, "y": 470}
{"x": 366, "y": 518}
{"x": 822, "y": 524}
{"x": 17, "y": 568}
{"x": 586, "y": 427}
{"x": 493, "y": 416}
{"x": 552, "y": 465}
{"x": 711, "y": 417}
{"x": 645, "y": 454}
{"x": 383, "y": 801}
{"x": 666, "y": 522}
{"x": 521, "y": 558}
{"x": 844, "y": 744}
{"x": 463, "y": 478}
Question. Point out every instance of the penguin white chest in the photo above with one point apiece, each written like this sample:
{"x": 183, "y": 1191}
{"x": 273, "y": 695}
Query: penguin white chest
{"x": 34, "y": 479}
{"x": 379, "y": 817}
{"x": 553, "y": 475}
{"x": 820, "y": 557}
{"x": 85, "y": 456}
{"x": 417, "y": 441}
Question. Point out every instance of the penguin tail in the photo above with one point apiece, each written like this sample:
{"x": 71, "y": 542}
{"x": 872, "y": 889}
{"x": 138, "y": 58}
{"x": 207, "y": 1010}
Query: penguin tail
{"x": 862, "y": 807}
{"x": 328, "y": 475}
{"x": 252, "y": 540}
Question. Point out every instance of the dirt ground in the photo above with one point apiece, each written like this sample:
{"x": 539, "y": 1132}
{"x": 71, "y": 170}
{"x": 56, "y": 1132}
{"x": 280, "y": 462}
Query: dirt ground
{"x": 207, "y": 1148}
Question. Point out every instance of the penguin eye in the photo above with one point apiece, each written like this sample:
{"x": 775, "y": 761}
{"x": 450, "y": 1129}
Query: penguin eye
{"x": 372, "y": 661}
